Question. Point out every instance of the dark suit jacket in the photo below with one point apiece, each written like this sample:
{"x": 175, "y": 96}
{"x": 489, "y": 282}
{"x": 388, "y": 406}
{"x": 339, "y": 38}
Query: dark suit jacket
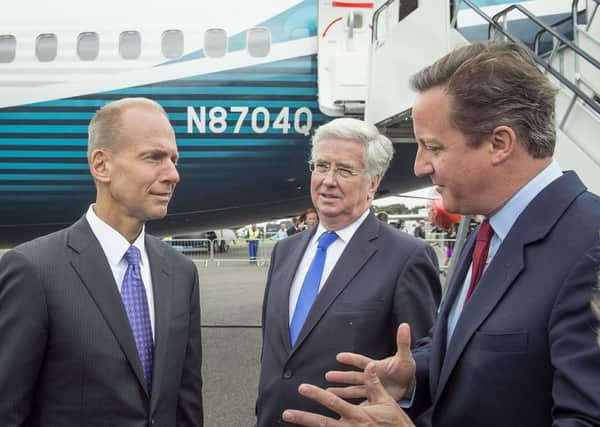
{"x": 383, "y": 277}
{"x": 68, "y": 357}
{"x": 524, "y": 351}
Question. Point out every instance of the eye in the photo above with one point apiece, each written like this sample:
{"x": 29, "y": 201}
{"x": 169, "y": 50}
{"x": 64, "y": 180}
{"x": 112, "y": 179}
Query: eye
{"x": 322, "y": 167}
{"x": 345, "y": 172}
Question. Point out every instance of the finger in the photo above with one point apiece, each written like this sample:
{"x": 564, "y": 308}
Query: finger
{"x": 352, "y": 392}
{"x": 375, "y": 391}
{"x": 357, "y": 360}
{"x": 403, "y": 341}
{"x": 327, "y": 399}
{"x": 345, "y": 377}
{"x": 308, "y": 419}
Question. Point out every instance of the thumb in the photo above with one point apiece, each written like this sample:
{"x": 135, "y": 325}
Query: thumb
{"x": 403, "y": 342}
{"x": 375, "y": 391}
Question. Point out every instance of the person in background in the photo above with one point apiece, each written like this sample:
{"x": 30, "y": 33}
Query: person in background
{"x": 420, "y": 229}
{"x": 282, "y": 232}
{"x": 383, "y": 217}
{"x": 346, "y": 284}
{"x": 253, "y": 236}
{"x": 100, "y": 322}
{"x": 310, "y": 218}
{"x": 296, "y": 227}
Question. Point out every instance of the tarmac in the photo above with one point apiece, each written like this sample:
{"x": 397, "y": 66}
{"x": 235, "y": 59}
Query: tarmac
{"x": 231, "y": 302}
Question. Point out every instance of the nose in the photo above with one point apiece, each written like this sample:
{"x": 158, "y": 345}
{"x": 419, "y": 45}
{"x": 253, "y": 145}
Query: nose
{"x": 330, "y": 178}
{"x": 171, "y": 175}
{"x": 422, "y": 166}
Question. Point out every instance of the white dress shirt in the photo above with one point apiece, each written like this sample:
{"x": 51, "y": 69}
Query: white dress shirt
{"x": 114, "y": 246}
{"x": 501, "y": 223}
{"x": 334, "y": 252}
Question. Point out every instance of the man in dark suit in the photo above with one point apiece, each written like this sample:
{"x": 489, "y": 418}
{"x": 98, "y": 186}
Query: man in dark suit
{"x": 371, "y": 278}
{"x": 516, "y": 346}
{"x": 100, "y": 322}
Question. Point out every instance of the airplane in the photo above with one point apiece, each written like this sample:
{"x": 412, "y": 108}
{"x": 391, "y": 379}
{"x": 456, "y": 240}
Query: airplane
{"x": 245, "y": 85}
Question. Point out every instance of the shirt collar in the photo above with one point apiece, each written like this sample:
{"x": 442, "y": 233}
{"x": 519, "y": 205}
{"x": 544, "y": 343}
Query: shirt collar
{"x": 346, "y": 233}
{"x": 112, "y": 242}
{"x": 503, "y": 220}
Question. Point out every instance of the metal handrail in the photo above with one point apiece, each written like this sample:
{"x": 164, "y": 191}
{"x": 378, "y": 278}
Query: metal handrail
{"x": 494, "y": 25}
{"x": 376, "y": 17}
{"x": 538, "y": 35}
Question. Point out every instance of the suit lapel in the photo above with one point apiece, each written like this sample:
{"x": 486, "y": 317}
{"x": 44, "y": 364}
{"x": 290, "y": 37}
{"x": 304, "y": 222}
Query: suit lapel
{"x": 294, "y": 258}
{"x": 441, "y": 331}
{"x": 89, "y": 261}
{"x": 506, "y": 265}
{"x": 357, "y": 252}
{"x": 163, "y": 288}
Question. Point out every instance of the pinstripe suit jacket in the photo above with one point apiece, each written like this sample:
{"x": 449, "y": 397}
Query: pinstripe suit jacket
{"x": 68, "y": 356}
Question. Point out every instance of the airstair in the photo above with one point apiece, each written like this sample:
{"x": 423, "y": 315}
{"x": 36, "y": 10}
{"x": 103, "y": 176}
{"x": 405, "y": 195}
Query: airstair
{"x": 344, "y": 37}
{"x": 410, "y": 34}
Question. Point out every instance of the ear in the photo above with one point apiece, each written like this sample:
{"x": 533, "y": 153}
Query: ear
{"x": 100, "y": 165}
{"x": 373, "y": 185}
{"x": 503, "y": 142}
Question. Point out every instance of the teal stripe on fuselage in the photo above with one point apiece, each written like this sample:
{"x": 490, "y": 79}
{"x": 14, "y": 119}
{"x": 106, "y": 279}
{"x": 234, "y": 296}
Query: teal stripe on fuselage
{"x": 49, "y": 187}
{"x": 43, "y": 142}
{"x": 44, "y": 166}
{"x": 46, "y": 177}
{"x": 218, "y": 90}
{"x": 36, "y": 115}
{"x": 74, "y": 103}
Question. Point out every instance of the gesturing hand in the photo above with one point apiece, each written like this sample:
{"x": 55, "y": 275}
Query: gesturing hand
{"x": 379, "y": 410}
{"x": 397, "y": 373}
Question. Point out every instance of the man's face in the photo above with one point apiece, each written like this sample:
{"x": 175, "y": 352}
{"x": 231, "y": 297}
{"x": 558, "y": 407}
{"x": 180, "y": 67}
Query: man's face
{"x": 142, "y": 167}
{"x": 340, "y": 201}
{"x": 460, "y": 173}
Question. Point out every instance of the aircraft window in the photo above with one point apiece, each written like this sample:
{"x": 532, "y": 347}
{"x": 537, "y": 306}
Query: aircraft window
{"x": 130, "y": 44}
{"x": 8, "y": 48}
{"x": 45, "y": 47}
{"x": 172, "y": 43}
{"x": 215, "y": 42}
{"x": 406, "y": 8}
{"x": 258, "y": 40}
{"x": 88, "y": 45}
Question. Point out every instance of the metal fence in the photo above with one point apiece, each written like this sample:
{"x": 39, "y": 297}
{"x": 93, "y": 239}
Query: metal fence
{"x": 217, "y": 252}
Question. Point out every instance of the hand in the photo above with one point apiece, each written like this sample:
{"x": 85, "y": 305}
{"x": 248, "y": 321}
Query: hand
{"x": 397, "y": 373}
{"x": 381, "y": 410}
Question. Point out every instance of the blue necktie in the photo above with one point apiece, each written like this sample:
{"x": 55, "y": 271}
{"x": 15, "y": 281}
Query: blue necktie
{"x": 136, "y": 306}
{"x": 310, "y": 287}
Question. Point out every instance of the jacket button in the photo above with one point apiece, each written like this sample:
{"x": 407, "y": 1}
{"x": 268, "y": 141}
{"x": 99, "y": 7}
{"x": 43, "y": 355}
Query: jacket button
{"x": 287, "y": 374}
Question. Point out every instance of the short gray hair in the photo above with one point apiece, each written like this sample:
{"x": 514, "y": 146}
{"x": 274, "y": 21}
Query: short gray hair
{"x": 491, "y": 84}
{"x": 378, "y": 151}
{"x": 106, "y": 126}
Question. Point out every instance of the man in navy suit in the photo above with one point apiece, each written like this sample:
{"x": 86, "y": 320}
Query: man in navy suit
{"x": 517, "y": 346}
{"x": 371, "y": 279}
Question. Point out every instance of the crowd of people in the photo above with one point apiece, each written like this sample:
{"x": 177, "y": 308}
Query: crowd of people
{"x": 100, "y": 322}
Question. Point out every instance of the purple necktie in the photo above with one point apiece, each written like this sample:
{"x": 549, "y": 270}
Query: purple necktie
{"x": 136, "y": 305}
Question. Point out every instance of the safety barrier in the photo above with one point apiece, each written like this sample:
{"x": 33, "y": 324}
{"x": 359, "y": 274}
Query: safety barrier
{"x": 218, "y": 251}
{"x": 206, "y": 251}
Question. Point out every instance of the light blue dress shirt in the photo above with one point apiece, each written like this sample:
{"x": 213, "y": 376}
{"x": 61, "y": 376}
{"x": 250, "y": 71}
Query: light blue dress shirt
{"x": 501, "y": 222}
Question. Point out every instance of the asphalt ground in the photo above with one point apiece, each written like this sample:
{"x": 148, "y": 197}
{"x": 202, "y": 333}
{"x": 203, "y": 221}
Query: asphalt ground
{"x": 231, "y": 301}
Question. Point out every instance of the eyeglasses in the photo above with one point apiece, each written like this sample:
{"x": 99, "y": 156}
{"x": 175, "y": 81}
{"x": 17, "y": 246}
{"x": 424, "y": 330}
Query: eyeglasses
{"x": 323, "y": 168}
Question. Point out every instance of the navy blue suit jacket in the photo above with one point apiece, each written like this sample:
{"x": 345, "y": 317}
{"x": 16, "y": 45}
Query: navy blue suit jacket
{"x": 383, "y": 277}
{"x": 524, "y": 352}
